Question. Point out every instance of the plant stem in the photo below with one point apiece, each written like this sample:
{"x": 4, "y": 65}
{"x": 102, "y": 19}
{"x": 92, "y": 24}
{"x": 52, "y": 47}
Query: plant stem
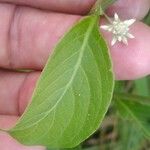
{"x": 108, "y": 18}
{"x": 96, "y": 9}
{"x": 3, "y": 130}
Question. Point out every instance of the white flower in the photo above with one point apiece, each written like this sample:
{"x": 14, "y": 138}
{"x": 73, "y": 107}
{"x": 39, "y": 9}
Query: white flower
{"x": 120, "y": 29}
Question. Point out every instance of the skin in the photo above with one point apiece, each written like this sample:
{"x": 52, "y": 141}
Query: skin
{"x": 28, "y": 35}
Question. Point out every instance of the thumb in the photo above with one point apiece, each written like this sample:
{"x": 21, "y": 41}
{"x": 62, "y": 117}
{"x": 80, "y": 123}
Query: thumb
{"x": 130, "y": 8}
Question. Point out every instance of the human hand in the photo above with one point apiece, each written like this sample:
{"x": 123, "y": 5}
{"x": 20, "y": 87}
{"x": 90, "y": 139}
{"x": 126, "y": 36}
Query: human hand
{"x": 29, "y": 34}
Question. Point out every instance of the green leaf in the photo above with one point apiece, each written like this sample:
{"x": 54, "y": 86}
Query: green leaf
{"x": 92, "y": 148}
{"x": 76, "y": 148}
{"x": 119, "y": 86}
{"x": 73, "y": 92}
{"x": 147, "y": 19}
{"x": 131, "y": 137}
{"x": 132, "y": 109}
{"x": 142, "y": 87}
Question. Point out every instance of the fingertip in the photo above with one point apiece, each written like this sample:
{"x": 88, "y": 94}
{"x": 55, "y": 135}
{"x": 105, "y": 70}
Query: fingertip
{"x": 132, "y": 61}
{"x": 7, "y": 122}
{"x": 130, "y": 9}
{"x": 26, "y": 91}
{"x": 7, "y": 142}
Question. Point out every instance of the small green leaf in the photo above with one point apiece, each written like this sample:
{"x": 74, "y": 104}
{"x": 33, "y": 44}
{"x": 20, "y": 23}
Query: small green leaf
{"x": 132, "y": 109}
{"x": 147, "y": 19}
{"x": 131, "y": 137}
{"x": 119, "y": 86}
{"x": 142, "y": 87}
{"x": 73, "y": 93}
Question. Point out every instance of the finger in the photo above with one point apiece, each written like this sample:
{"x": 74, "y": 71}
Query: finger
{"x": 29, "y": 35}
{"x": 38, "y": 33}
{"x": 130, "y": 8}
{"x": 7, "y": 122}
{"x": 132, "y": 61}
{"x": 8, "y": 143}
{"x": 68, "y": 6}
{"x": 16, "y": 90}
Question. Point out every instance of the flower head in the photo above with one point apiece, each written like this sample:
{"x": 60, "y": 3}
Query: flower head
{"x": 120, "y": 29}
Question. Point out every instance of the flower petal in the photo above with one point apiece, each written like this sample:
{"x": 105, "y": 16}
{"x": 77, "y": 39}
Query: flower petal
{"x": 129, "y": 22}
{"x": 116, "y": 17}
{"x": 119, "y": 29}
{"x": 124, "y": 40}
{"x": 130, "y": 36}
{"x": 105, "y": 27}
{"x": 110, "y": 28}
{"x": 114, "y": 40}
{"x": 119, "y": 38}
